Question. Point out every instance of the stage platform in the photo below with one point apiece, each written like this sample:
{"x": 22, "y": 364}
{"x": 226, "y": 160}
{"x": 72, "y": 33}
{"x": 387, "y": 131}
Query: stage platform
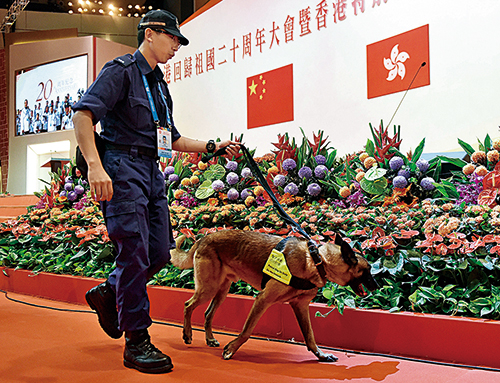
{"x": 43, "y": 345}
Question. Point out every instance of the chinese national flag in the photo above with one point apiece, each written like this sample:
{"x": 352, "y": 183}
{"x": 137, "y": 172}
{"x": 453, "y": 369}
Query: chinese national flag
{"x": 270, "y": 97}
{"x": 392, "y": 63}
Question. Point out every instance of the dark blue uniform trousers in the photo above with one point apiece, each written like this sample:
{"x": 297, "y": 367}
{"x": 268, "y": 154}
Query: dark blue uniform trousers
{"x": 138, "y": 223}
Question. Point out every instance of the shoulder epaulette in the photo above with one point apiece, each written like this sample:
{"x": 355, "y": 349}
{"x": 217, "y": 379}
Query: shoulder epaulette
{"x": 125, "y": 60}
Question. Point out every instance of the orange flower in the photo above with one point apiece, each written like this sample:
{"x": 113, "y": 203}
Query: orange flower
{"x": 187, "y": 232}
{"x": 441, "y": 249}
{"x": 213, "y": 201}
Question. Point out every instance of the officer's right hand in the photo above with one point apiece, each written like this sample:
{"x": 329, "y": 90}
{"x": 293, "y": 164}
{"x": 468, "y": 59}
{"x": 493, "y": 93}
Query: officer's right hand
{"x": 101, "y": 187}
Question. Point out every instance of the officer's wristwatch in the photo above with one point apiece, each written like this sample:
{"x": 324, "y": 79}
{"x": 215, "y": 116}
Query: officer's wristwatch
{"x": 210, "y": 146}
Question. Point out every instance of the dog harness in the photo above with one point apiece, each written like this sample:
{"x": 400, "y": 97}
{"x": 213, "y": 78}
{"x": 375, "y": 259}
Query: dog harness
{"x": 277, "y": 268}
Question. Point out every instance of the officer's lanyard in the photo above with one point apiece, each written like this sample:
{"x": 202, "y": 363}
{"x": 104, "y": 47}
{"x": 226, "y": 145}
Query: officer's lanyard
{"x": 164, "y": 135}
{"x": 152, "y": 103}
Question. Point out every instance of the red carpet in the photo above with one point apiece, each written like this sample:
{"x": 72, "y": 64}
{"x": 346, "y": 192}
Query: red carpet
{"x": 44, "y": 346}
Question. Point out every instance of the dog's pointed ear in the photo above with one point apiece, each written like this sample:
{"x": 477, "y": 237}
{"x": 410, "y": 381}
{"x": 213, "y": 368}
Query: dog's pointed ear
{"x": 338, "y": 240}
{"x": 346, "y": 251}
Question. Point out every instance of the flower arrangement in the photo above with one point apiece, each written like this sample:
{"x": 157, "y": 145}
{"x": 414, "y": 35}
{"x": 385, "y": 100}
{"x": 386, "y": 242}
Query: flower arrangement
{"x": 433, "y": 239}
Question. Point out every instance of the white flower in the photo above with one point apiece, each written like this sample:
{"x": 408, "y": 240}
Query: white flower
{"x": 395, "y": 64}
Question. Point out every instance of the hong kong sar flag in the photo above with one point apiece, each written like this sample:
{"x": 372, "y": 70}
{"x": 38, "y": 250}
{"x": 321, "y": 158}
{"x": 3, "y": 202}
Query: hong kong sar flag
{"x": 393, "y": 63}
{"x": 270, "y": 97}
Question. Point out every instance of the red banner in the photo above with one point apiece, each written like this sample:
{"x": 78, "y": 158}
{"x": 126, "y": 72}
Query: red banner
{"x": 270, "y": 97}
{"x": 392, "y": 63}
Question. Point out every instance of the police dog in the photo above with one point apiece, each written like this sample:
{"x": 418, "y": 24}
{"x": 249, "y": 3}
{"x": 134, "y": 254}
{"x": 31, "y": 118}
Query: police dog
{"x": 230, "y": 255}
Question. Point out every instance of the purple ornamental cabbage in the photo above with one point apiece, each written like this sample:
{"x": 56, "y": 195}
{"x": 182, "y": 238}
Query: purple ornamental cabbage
{"x": 320, "y": 171}
{"x": 79, "y": 189}
{"x": 305, "y": 172}
{"x": 320, "y": 159}
{"x": 68, "y": 186}
{"x": 217, "y": 185}
{"x": 233, "y": 194}
{"x": 169, "y": 170}
{"x": 291, "y": 188}
{"x": 395, "y": 163}
{"x": 72, "y": 196}
{"x": 279, "y": 180}
{"x": 405, "y": 173}
{"x": 314, "y": 189}
{"x": 427, "y": 183}
{"x": 246, "y": 173}
{"x": 232, "y": 166}
{"x": 232, "y": 178}
{"x": 63, "y": 193}
{"x": 400, "y": 182}
{"x": 68, "y": 180}
{"x": 245, "y": 193}
{"x": 422, "y": 165}
{"x": 289, "y": 164}
{"x": 173, "y": 178}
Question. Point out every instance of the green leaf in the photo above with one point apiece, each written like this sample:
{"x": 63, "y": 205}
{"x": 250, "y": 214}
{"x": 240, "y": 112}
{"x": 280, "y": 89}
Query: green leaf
{"x": 104, "y": 253}
{"x": 486, "y": 310}
{"x": 454, "y": 161}
{"x": 327, "y": 293}
{"x": 370, "y": 147}
{"x": 204, "y": 190}
{"x": 487, "y": 143}
{"x": 331, "y": 159}
{"x": 418, "y": 152}
{"x": 215, "y": 172}
{"x": 377, "y": 187}
{"x": 465, "y": 146}
{"x": 374, "y": 173}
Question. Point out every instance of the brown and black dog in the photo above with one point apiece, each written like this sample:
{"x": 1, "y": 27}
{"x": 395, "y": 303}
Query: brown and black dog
{"x": 230, "y": 255}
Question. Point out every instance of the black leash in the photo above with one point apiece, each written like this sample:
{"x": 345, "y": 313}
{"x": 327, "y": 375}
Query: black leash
{"x": 313, "y": 246}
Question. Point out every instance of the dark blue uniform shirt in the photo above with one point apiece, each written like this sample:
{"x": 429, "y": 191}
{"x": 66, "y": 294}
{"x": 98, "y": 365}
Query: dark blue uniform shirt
{"x": 118, "y": 99}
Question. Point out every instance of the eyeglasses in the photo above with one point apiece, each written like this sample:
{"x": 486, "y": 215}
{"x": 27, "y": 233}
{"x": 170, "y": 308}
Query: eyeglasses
{"x": 175, "y": 38}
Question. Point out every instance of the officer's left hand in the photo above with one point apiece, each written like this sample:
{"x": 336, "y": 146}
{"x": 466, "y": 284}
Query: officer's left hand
{"x": 232, "y": 147}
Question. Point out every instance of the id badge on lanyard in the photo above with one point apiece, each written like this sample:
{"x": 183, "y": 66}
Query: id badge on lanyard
{"x": 164, "y": 142}
{"x": 163, "y": 134}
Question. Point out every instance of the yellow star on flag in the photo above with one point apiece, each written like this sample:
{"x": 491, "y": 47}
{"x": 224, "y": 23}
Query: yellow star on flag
{"x": 253, "y": 88}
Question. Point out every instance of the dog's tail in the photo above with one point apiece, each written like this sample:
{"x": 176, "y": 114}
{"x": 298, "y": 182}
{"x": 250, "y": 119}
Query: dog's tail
{"x": 180, "y": 258}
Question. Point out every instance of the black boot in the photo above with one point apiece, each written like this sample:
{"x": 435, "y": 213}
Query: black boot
{"x": 140, "y": 354}
{"x": 102, "y": 299}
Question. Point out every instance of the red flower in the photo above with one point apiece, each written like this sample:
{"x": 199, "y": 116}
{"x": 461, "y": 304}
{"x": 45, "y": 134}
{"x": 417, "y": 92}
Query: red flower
{"x": 187, "y": 232}
{"x": 441, "y": 249}
{"x": 406, "y": 234}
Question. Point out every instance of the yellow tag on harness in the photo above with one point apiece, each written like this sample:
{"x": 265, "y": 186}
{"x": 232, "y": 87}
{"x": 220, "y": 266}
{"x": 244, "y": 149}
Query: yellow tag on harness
{"x": 277, "y": 268}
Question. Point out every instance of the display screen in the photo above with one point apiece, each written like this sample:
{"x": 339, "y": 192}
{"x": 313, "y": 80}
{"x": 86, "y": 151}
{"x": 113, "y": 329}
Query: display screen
{"x": 45, "y": 93}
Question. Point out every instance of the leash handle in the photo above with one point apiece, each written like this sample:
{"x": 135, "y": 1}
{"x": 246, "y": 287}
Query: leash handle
{"x": 219, "y": 152}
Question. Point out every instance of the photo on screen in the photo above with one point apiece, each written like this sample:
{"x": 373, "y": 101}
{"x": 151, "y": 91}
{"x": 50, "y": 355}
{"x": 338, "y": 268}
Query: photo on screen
{"x": 45, "y": 93}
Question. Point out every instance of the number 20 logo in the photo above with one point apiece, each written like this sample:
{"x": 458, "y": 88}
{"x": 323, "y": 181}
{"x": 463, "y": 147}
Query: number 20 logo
{"x": 44, "y": 89}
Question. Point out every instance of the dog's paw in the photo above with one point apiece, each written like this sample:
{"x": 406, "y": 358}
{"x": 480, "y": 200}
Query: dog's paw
{"x": 213, "y": 342}
{"x": 329, "y": 358}
{"x": 227, "y": 353}
{"x": 187, "y": 340}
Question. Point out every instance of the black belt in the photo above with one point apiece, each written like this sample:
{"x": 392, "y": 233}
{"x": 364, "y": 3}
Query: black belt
{"x": 148, "y": 152}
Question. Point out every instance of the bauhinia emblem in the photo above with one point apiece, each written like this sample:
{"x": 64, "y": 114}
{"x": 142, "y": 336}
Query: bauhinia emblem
{"x": 395, "y": 65}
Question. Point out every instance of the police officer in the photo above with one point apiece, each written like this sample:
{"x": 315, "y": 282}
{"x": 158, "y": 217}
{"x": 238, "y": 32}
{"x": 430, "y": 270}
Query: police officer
{"x": 133, "y": 104}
